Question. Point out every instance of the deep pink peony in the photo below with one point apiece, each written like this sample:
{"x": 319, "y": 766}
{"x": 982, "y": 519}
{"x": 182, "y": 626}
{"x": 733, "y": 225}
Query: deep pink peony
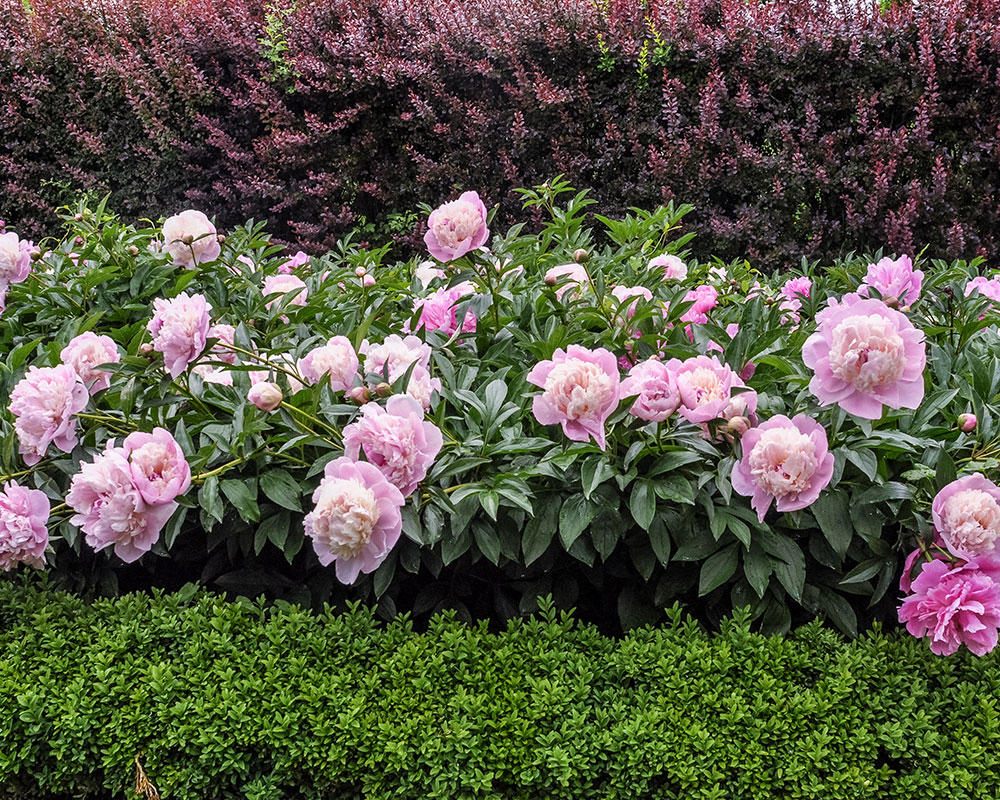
{"x": 24, "y": 535}
{"x": 457, "y": 228}
{"x": 865, "y": 356}
{"x": 786, "y": 461}
{"x": 15, "y": 258}
{"x": 159, "y": 469}
{"x": 952, "y": 607}
{"x": 796, "y": 287}
{"x": 581, "y": 390}
{"x": 356, "y": 519}
{"x": 336, "y": 360}
{"x": 180, "y": 330}
{"x": 895, "y": 279}
{"x": 673, "y": 268}
{"x": 706, "y": 388}
{"x": 43, "y": 404}
{"x": 85, "y": 353}
{"x": 567, "y": 276}
{"x": 438, "y": 310}
{"x": 109, "y": 507}
{"x": 277, "y": 286}
{"x": 395, "y": 439}
{"x": 966, "y": 516}
{"x": 190, "y": 238}
{"x": 655, "y": 390}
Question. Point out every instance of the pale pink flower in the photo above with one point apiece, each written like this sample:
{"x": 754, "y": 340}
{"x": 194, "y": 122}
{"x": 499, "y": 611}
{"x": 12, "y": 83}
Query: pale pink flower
{"x": 15, "y": 258}
{"x": 356, "y": 518}
{"x": 190, "y": 239}
{"x": 438, "y": 311}
{"x": 674, "y": 269}
{"x": 427, "y": 272}
{"x": 567, "y": 276}
{"x": 796, "y": 288}
{"x": 865, "y": 356}
{"x": 213, "y": 375}
{"x": 623, "y": 293}
{"x": 43, "y": 404}
{"x": 422, "y": 386}
{"x": 110, "y": 510}
{"x": 395, "y": 353}
{"x": 655, "y": 389}
{"x": 296, "y": 261}
{"x": 967, "y": 516}
{"x": 955, "y": 606}
{"x": 222, "y": 350}
{"x": 24, "y": 535}
{"x": 395, "y": 439}
{"x": 265, "y": 395}
{"x": 160, "y": 471}
{"x": 895, "y": 279}
{"x": 581, "y": 390}
{"x": 457, "y": 228}
{"x": 706, "y": 390}
{"x": 989, "y": 288}
{"x": 277, "y": 286}
{"x": 786, "y": 461}
{"x": 335, "y": 359}
{"x": 247, "y": 262}
{"x": 180, "y": 330}
{"x": 3, "y": 297}
{"x": 85, "y": 353}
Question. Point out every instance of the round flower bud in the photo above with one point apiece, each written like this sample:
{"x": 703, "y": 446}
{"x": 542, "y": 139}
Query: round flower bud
{"x": 581, "y": 256}
{"x": 133, "y": 250}
{"x": 187, "y": 239}
{"x": 891, "y": 300}
{"x": 79, "y": 240}
{"x": 78, "y": 217}
{"x": 265, "y": 395}
{"x": 146, "y": 348}
{"x": 359, "y": 395}
{"x": 738, "y": 425}
{"x": 967, "y": 422}
{"x": 221, "y": 238}
{"x": 551, "y": 280}
{"x": 360, "y": 272}
{"x": 383, "y": 390}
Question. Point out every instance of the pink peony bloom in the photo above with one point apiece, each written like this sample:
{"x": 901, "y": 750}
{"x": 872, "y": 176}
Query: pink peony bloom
{"x": 457, "y": 228}
{"x": 110, "y": 510}
{"x": 422, "y": 386}
{"x": 43, "y": 404}
{"x": 704, "y": 299}
{"x": 438, "y": 310}
{"x": 706, "y": 388}
{"x": 335, "y": 359}
{"x": 673, "y": 268}
{"x": 281, "y": 285}
{"x": 581, "y": 390}
{"x": 222, "y": 350}
{"x": 623, "y": 293}
{"x": 265, "y": 395}
{"x": 397, "y": 440}
{"x": 952, "y": 607}
{"x": 356, "y": 520}
{"x": 967, "y": 516}
{"x": 576, "y": 277}
{"x": 180, "y": 330}
{"x": 393, "y": 357}
{"x": 15, "y": 258}
{"x": 655, "y": 389}
{"x": 427, "y": 272}
{"x": 213, "y": 375}
{"x": 786, "y": 461}
{"x": 987, "y": 287}
{"x": 895, "y": 279}
{"x": 85, "y": 353}
{"x": 24, "y": 535}
{"x": 865, "y": 356}
{"x": 298, "y": 260}
{"x": 190, "y": 239}
{"x": 796, "y": 287}
{"x": 160, "y": 471}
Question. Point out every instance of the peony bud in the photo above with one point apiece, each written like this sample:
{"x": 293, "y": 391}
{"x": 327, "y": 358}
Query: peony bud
{"x": 265, "y": 395}
{"x": 221, "y": 238}
{"x": 188, "y": 239}
{"x": 551, "y": 280}
{"x": 967, "y": 422}
{"x": 79, "y": 240}
{"x": 738, "y": 425}
{"x": 891, "y": 300}
{"x": 383, "y": 390}
{"x": 367, "y": 280}
{"x": 360, "y": 272}
{"x": 581, "y": 256}
{"x": 146, "y": 348}
{"x": 359, "y": 395}
{"x": 133, "y": 250}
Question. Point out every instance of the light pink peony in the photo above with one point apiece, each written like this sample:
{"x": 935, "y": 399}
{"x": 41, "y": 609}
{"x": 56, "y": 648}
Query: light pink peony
{"x": 265, "y": 395}
{"x": 43, "y": 404}
{"x": 24, "y": 515}
{"x": 85, "y": 353}
{"x": 15, "y": 258}
{"x": 865, "y": 356}
{"x": 298, "y": 260}
{"x": 277, "y": 286}
{"x": 222, "y": 350}
{"x": 952, "y": 607}
{"x": 180, "y": 330}
{"x": 581, "y": 390}
{"x": 623, "y": 293}
{"x": 438, "y": 310}
{"x": 109, "y": 507}
{"x": 655, "y": 389}
{"x": 786, "y": 461}
{"x": 706, "y": 388}
{"x": 966, "y": 516}
{"x": 457, "y": 228}
{"x": 427, "y": 272}
{"x": 356, "y": 520}
{"x": 989, "y": 288}
{"x": 213, "y": 375}
{"x": 190, "y": 239}
{"x": 395, "y": 439}
{"x": 567, "y": 276}
{"x": 422, "y": 386}
{"x": 674, "y": 269}
{"x": 893, "y": 279}
{"x": 393, "y": 357}
{"x": 796, "y": 287}
{"x": 336, "y": 359}
{"x": 160, "y": 471}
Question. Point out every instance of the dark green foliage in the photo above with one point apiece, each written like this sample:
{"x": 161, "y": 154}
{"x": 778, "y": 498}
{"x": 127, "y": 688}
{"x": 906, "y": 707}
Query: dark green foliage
{"x": 236, "y": 700}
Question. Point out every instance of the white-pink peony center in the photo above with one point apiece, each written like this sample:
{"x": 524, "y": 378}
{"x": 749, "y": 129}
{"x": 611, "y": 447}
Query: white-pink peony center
{"x": 783, "y": 461}
{"x": 579, "y": 389}
{"x": 867, "y": 352}
{"x": 456, "y": 222}
{"x": 345, "y": 516}
{"x": 972, "y": 518}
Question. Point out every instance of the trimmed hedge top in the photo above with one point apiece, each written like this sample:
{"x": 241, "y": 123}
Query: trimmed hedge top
{"x": 238, "y": 700}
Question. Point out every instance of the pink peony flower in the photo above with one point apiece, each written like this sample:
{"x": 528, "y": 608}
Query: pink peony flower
{"x": 705, "y": 298}
{"x": 109, "y": 507}
{"x": 987, "y": 287}
{"x": 427, "y": 272}
{"x": 655, "y": 389}
{"x": 796, "y": 287}
{"x": 85, "y": 353}
{"x": 281, "y": 285}
{"x": 576, "y": 277}
{"x": 15, "y": 258}
{"x": 673, "y": 268}
{"x": 706, "y": 388}
{"x": 265, "y": 395}
{"x": 438, "y": 310}
{"x": 43, "y": 404}
{"x": 786, "y": 461}
{"x": 213, "y": 375}
{"x": 865, "y": 356}
{"x": 895, "y": 279}
{"x": 457, "y": 228}
{"x": 222, "y": 350}
{"x": 356, "y": 520}
{"x": 190, "y": 239}
{"x": 298, "y": 260}
{"x": 180, "y": 330}
{"x": 966, "y": 516}
{"x": 395, "y": 439}
{"x": 623, "y": 293}
{"x": 422, "y": 386}
{"x": 952, "y": 607}
{"x": 581, "y": 390}
{"x": 160, "y": 471}
{"x": 335, "y": 359}
{"x": 24, "y": 515}
{"x": 393, "y": 357}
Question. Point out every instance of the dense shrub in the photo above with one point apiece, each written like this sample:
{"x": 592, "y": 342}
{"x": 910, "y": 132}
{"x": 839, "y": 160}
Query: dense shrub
{"x": 795, "y": 129}
{"x": 239, "y": 700}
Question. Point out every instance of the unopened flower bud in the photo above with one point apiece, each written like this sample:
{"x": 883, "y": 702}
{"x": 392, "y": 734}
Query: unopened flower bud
{"x": 359, "y": 395}
{"x": 265, "y": 395}
{"x": 967, "y": 422}
{"x": 360, "y": 272}
{"x": 367, "y": 280}
{"x": 891, "y": 300}
{"x": 551, "y": 280}
{"x": 738, "y": 425}
{"x": 222, "y": 238}
{"x": 78, "y": 217}
{"x": 146, "y": 348}
{"x": 383, "y": 389}
{"x": 79, "y": 240}
{"x": 133, "y": 250}
{"x": 36, "y": 255}
{"x": 581, "y": 256}
{"x": 187, "y": 239}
